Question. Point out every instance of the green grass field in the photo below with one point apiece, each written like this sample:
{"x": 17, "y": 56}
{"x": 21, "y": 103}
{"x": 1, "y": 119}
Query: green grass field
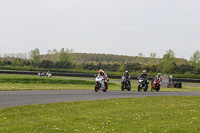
{"x": 139, "y": 115}
{"x": 28, "y": 82}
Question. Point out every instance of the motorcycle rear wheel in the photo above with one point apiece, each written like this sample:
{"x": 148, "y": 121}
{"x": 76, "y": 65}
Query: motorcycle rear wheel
{"x": 146, "y": 88}
{"x": 105, "y": 90}
{"x": 129, "y": 88}
{"x": 158, "y": 89}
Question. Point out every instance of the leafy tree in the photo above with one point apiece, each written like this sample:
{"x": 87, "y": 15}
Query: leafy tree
{"x": 171, "y": 68}
{"x": 195, "y": 58}
{"x": 6, "y": 62}
{"x": 141, "y": 55}
{"x": 153, "y": 68}
{"x": 52, "y": 55}
{"x": 99, "y": 66}
{"x": 46, "y": 64}
{"x": 27, "y": 63}
{"x": 183, "y": 68}
{"x": 114, "y": 67}
{"x": 17, "y": 62}
{"x": 35, "y": 56}
{"x": 122, "y": 68}
{"x": 63, "y": 55}
{"x": 153, "y": 55}
{"x": 133, "y": 66}
{"x": 169, "y": 56}
{"x": 168, "y": 61}
{"x": 63, "y": 64}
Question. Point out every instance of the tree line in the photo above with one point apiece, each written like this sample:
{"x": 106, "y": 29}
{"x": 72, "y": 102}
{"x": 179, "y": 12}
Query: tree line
{"x": 67, "y": 59}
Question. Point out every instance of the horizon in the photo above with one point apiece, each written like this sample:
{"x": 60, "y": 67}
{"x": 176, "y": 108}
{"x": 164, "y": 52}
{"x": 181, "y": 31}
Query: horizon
{"x": 27, "y": 54}
{"x": 111, "y": 27}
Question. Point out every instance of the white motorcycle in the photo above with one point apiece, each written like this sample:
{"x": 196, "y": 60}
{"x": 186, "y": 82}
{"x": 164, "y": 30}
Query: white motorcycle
{"x": 49, "y": 75}
{"x": 101, "y": 84}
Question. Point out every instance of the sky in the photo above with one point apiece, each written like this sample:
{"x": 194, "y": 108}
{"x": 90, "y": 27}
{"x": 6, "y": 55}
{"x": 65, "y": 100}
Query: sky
{"x": 122, "y": 27}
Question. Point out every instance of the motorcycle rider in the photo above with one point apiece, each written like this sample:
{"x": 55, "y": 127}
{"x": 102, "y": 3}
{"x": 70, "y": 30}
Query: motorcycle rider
{"x": 159, "y": 78}
{"x": 41, "y": 74}
{"x": 104, "y": 75}
{"x": 144, "y": 75}
{"x": 101, "y": 73}
{"x": 47, "y": 74}
{"x": 126, "y": 74}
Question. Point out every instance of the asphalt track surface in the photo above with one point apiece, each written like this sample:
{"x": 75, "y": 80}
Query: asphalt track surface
{"x": 19, "y": 98}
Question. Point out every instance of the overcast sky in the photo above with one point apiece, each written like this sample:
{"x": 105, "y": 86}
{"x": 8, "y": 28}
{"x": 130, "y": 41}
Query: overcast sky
{"x": 123, "y": 27}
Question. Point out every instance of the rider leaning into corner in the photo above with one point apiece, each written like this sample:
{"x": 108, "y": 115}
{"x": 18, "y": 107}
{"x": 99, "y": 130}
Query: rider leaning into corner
{"x": 104, "y": 75}
{"x": 144, "y": 75}
{"x": 126, "y": 74}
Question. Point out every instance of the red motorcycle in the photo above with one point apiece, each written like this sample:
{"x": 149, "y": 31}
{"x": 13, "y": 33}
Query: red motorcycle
{"x": 155, "y": 85}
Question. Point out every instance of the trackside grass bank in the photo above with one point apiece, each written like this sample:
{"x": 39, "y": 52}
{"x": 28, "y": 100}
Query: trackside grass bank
{"x": 27, "y": 82}
{"x": 140, "y": 115}
{"x": 35, "y": 79}
{"x": 22, "y": 82}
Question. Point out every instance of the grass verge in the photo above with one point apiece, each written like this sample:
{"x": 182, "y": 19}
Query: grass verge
{"x": 28, "y": 82}
{"x": 142, "y": 115}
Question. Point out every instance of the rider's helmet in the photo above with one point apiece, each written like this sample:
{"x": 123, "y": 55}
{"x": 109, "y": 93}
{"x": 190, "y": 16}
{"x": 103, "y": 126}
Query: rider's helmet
{"x": 126, "y": 74}
{"x": 159, "y": 74}
{"x": 144, "y": 71}
{"x": 101, "y": 72}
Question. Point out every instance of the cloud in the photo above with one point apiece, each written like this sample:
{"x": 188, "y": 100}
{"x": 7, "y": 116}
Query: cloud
{"x": 198, "y": 27}
{"x": 128, "y": 28}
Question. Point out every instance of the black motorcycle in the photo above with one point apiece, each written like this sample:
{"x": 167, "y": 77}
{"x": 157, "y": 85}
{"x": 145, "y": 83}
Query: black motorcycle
{"x": 125, "y": 84}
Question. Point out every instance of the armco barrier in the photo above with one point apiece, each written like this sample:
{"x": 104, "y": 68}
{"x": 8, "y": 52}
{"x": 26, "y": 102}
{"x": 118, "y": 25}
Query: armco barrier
{"x": 93, "y": 75}
{"x": 186, "y": 80}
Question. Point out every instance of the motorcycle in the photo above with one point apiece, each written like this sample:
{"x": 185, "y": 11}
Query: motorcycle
{"x": 100, "y": 84}
{"x": 155, "y": 85}
{"x": 125, "y": 84}
{"x": 143, "y": 84}
{"x": 49, "y": 75}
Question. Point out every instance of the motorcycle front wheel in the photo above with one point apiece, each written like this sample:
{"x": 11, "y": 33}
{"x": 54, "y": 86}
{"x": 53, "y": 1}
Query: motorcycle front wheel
{"x": 106, "y": 85}
{"x": 129, "y": 87}
{"x": 123, "y": 87}
{"x": 96, "y": 88}
{"x": 139, "y": 89}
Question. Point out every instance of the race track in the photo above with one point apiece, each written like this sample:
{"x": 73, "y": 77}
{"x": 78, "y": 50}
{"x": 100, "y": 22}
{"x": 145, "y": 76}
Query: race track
{"x": 18, "y": 98}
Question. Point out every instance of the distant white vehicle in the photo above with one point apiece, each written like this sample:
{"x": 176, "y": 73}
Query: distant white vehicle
{"x": 48, "y": 74}
{"x": 41, "y": 74}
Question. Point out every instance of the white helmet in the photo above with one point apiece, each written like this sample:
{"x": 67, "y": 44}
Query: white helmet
{"x": 144, "y": 71}
{"x": 126, "y": 71}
